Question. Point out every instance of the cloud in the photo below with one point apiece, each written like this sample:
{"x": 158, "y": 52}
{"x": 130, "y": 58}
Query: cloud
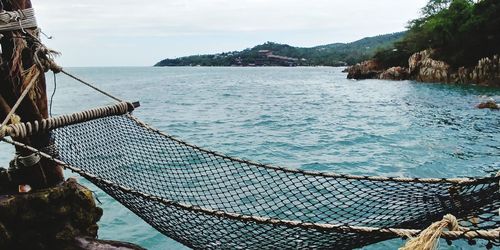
{"x": 212, "y": 19}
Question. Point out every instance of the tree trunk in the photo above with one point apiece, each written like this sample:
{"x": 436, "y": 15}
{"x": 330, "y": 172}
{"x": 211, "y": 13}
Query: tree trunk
{"x": 17, "y": 69}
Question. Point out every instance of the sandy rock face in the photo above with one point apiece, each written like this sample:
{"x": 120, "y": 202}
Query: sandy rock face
{"x": 425, "y": 69}
{"x": 365, "y": 70}
{"x": 486, "y": 72}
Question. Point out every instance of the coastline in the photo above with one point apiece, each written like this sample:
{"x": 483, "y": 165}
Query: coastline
{"x": 424, "y": 68}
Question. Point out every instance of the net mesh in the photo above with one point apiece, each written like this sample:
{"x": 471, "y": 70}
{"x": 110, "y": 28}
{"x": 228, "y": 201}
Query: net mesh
{"x": 206, "y": 200}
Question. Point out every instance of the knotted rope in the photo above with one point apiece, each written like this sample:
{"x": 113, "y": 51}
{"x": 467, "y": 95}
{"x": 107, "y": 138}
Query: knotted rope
{"x": 429, "y": 238}
{"x": 44, "y": 58}
{"x": 18, "y": 19}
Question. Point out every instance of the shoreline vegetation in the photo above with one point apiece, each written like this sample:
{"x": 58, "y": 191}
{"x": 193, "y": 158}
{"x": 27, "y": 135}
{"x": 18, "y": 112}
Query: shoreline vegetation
{"x": 275, "y": 54}
{"x": 454, "y": 41}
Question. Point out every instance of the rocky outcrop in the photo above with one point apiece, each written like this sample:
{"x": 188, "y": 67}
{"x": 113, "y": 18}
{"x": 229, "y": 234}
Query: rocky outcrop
{"x": 486, "y": 72}
{"x": 64, "y": 217}
{"x": 370, "y": 69}
{"x": 395, "y": 73}
{"x": 425, "y": 69}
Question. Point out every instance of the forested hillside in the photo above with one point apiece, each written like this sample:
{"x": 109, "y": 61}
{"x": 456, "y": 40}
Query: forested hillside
{"x": 275, "y": 54}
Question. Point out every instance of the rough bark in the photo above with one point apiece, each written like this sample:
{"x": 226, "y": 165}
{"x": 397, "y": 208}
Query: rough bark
{"x": 17, "y": 69}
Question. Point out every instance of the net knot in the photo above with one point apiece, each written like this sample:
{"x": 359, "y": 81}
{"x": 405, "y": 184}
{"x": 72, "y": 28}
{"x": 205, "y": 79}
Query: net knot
{"x": 452, "y": 222}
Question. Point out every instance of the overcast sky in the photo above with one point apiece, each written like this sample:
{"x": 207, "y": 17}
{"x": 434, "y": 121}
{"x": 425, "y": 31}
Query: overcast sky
{"x": 140, "y": 33}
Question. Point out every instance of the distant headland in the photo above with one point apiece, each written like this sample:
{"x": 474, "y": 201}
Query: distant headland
{"x": 275, "y": 54}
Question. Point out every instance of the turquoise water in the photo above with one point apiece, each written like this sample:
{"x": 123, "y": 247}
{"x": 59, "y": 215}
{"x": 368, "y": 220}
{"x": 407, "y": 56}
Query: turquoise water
{"x": 309, "y": 118}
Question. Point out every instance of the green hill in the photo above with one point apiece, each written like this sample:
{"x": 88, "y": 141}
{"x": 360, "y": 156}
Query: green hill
{"x": 275, "y": 54}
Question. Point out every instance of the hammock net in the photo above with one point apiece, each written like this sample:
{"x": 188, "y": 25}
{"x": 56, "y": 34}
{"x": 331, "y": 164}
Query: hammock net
{"x": 207, "y": 200}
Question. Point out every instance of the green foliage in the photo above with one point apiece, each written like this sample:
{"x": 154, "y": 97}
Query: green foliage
{"x": 461, "y": 31}
{"x": 337, "y": 54}
{"x": 433, "y": 7}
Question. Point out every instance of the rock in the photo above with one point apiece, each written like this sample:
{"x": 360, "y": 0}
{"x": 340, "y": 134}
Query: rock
{"x": 486, "y": 72}
{"x": 425, "y": 69}
{"x": 48, "y": 218}
{"x": 365, "y": 70}
{"x": 395, "y": 73}
{"x": 490, "y": 104}
{"x": 53, "y": 218}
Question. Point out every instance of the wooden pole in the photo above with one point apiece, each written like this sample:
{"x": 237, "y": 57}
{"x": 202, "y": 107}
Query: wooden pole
{"x": 16, "y": 71}
{"x": 62, "y": 217}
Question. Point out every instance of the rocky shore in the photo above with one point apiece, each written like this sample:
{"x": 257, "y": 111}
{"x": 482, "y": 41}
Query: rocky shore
{"x": 59, "y": 218}
{"x": 423, "y": 68}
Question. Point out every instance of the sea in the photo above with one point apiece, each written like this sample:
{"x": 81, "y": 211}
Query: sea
{"x": 310, "y": 118}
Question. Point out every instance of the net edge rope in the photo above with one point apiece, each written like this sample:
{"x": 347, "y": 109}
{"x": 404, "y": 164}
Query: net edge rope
{"x": 395, "y": 232}
{"x": 318, "y": 173}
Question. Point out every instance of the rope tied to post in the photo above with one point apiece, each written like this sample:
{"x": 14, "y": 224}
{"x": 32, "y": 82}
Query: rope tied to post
{"x": 17, "y": 19}
{"x": 44, "y": 58}
{"x": 429, "y": 238}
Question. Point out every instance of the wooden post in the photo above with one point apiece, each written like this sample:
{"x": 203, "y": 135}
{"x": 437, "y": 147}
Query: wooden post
{"x": 61, "y": 217}
{"x": 16, "y": 71}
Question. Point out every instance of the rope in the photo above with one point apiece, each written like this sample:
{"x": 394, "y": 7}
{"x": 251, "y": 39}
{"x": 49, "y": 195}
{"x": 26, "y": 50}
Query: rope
{"x": 22, "y": 130}
{"x": 429, "y": 238}
{"x": 44, "y": 56}
{"x": 91, "y": 86}
{"x": 17, "y": 20}
{"x": 53, "y": 94}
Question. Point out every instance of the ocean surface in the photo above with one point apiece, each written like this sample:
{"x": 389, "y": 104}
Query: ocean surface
{"x": 308, "y": 118}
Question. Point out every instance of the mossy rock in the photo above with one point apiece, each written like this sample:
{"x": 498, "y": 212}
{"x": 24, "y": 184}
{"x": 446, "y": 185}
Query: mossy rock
{"x": 49, "y": 218}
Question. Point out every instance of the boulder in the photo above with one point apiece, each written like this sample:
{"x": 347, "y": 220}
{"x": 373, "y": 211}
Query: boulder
{"x": 395, "y": 73}
{"x": 63, "y": 217}
{"x": 365, "y": 70}
{"x": 490, "y": 104}
{"x": 425, "y": 69}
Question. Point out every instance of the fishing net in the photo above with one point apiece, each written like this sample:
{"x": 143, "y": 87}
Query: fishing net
{"x": 207, "y": 200}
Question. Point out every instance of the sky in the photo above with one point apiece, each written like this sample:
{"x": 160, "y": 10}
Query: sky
{"x": 141, "y": 33}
